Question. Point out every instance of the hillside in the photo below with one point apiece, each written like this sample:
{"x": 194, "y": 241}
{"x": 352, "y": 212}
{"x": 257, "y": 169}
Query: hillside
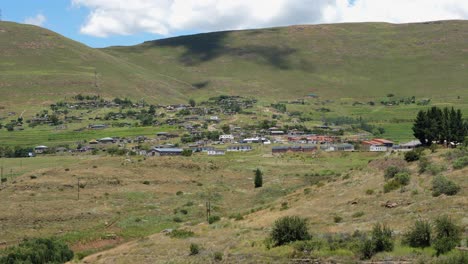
{"x": 364, "y": 60}
{"x": 40, "y": 65}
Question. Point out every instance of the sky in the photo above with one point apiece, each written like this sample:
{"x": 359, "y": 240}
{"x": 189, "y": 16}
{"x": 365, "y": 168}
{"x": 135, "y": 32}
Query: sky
{"x": 102, "y": 23}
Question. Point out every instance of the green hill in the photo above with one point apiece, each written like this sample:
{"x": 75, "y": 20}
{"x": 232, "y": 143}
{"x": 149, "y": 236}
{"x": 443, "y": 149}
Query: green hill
{"x": 362, "y": 60}
{"x": 37, "y": 65}
{"x": 334, "y": 61}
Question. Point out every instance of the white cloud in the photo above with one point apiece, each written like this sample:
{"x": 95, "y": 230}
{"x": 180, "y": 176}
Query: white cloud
{"x": 167, "y": 17}
{"x": 37, "y": 20}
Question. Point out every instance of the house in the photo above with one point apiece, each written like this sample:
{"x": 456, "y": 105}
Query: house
{"x": 226, "y": 138}
{"x": 165, "y": 152}
{"x": 286, "y": 149}
{"x": 106, "y": 140}
{"x": 384, "y": 142}
{"x": 338, "y": 147}
{"x": 374, "y": 146}
{"x": 202, "y": 149}
{"x": 277, "y": 133}
{"x": 40, "y": 149}
{"x": 99, "y": 126}
{"x": 254, "y": 140}
{"x": 215, "y": 152}
{"x": 408, "y": 146}
{"x": 239, "y": 148}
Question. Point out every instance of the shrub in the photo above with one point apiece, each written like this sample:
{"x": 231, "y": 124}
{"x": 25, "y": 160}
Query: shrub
{"x": 435, "y": 169}
{"x": 218, "y": 256}
{"x": 180, "y": 233}
{"x": 460, "y": 163}
{"x": 179, "y": 193}
{"x": 391, "y": 186}
{"x": 194, "y": 249}
{"x": 366, "y": 249}
{"x": 38, "y": 250}
{"x": 412, "y": 155}
{"x": 442, "y": 185}
{"x": 213, "y": 218}
{"x": 337, "y": 219}
{"x": 307, "y": 245}
{"x": 288, "y": 229}
{"x": 369, "y": 192}
{"x": 460, "y": 257}
{"x": 177, "y": 219}
{"x": 423, "y": 164}
{"x": 183, "y": 211}
{"x": 382, "y": 238}
{"x": 419, "y": 236}
{"x": 187, "y": 152}
{"x": 402, "y": 178}
{"x": 391, "y": 171}
{"x": 358, "y": 214}
{"x": 236, "y": 217}
{"x": 447, "y": 235}
{"x": 146, "y": 182}
{"x": 258, "y": 180}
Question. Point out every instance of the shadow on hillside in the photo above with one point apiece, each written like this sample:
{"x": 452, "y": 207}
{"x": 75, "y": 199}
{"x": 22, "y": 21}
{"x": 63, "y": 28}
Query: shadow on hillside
{"x": 206, "y": 47}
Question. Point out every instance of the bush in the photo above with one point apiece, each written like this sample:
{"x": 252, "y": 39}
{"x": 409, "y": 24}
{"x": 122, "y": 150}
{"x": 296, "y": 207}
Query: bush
{"x": 358, "y": 214}
{"x": 419, "y": 236}
{"x": 258, "y": 180}
{"x": 442, "y": 185}
{"x": 187, "y": 152}
{"x": 369, "y": 192}
{"x": 180, "y": 233}
{"x": 38, "y": 250}
{"x": 435, "y": 169}
{"x": 447, "y": 235}
{"x": 460, "y": 163}
{"x": 412, "y": 155}
{"x": 382, "y": 238}
{"x": 308, "y": 245}
{"x": 366, "y": 249}
{"x": 218, "y": 256}
{"x": 402, "y": 178}
{"x": 213, "y": 218}
{"x": 194, "y": 249}
{"x": 460, "y": 257}
{"x": 391, "y": 171}
{"x": 391, "y": 186}
{"x": 337, "y": 219}
{"x": 423, "y": 164}
{"x": 288, "y": 229}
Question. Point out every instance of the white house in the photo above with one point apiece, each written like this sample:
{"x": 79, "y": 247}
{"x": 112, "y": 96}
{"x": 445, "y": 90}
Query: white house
{"x": 226, "y": 138}
{"x": 377, "y": 148}
{"x": 215, "y": 152}
{"x": 40, "y": 149}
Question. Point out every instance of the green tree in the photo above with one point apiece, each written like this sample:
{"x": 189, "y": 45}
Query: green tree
{"x": 447, "y": 235}
{"x": 152, "y": 110}
{"x": 38, "y": 251}
{"x": 288, "y": 229}
{"x": 258, "y": 180}
{"x": 382, "y": 238}
{"x": 192, "y": 103}
{"x": 419, "y": 236}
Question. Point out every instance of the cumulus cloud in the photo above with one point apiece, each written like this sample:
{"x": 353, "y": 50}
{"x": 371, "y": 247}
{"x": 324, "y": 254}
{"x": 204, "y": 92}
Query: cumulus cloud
{"x": 37, "y": 20}
{"x": 167, "y": 17}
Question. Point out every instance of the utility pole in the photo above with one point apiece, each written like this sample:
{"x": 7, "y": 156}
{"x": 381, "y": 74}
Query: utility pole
{"x": 208, "y": 210}
{"x": 78, "y": 185}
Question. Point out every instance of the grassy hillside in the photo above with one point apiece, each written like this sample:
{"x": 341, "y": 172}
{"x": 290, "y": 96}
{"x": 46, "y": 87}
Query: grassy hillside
{"x": 362, "y": 61}
{"x": 37, "y": 65}
{"x": 365, "y": 60}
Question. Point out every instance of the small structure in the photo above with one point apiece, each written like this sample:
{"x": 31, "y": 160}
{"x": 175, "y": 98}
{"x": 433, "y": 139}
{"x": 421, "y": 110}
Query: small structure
{"x": 374, "y": 146}
{"x": 286, "y": 149}
{"x": 202, "y": 149}
{"x": 338, "y": 147}
{"x": 106, "y": 140}
{"x": 98, "y": 126}
{"x": 40, "y": 149}
{"x": 238, "y": 148}
{"x": 165, "y": 152}
{"x": 216, "y": 152}
{"x": 226, "y": 138}
{"x": 408, "y": 146}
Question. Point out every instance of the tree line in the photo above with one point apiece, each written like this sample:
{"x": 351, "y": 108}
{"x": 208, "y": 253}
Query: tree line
{"x": 437, "y": 125}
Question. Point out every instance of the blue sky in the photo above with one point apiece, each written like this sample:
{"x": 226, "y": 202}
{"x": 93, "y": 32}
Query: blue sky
{"x": 102, "y": 23}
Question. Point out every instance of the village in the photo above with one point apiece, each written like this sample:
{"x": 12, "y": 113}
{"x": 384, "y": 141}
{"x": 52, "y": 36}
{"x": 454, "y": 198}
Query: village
{"x": 211, "y": 128}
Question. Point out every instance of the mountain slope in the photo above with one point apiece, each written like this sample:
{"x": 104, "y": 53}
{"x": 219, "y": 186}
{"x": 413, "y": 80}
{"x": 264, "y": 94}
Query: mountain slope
{"x": 340, "y": 60}
{"x": 39, "y": 65}
{"x": 362, "y": 60}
